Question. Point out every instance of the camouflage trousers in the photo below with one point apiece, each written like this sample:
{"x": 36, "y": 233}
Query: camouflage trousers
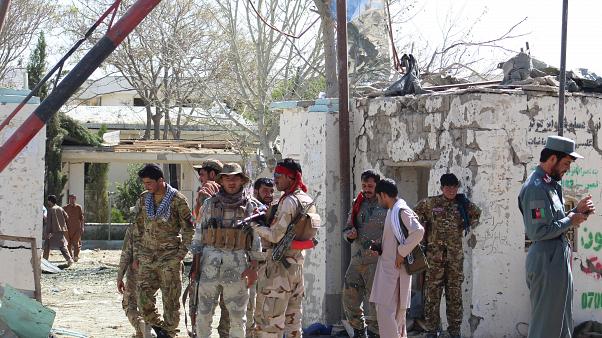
{"x": 221, "y": 273}
{"x": 445, "y": 271}
{"x": 129, "y": 303}
{"x": 280, "y": 294}
{"x": 358, "y": 310}
{"x": 158, "y": 272}
{"x": 223, "y": 329}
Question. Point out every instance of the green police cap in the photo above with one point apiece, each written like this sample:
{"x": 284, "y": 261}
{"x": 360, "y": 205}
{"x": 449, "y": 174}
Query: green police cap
{"x": 562, "y": 144}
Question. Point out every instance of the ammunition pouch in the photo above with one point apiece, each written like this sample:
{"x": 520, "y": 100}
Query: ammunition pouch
{"x": 307, "y": 227}
{"x": 227, "y": 238}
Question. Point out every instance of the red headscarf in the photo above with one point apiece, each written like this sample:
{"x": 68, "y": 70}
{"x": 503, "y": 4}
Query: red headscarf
{"x": 293, "y": 174}
{"x": 355, "y": 209}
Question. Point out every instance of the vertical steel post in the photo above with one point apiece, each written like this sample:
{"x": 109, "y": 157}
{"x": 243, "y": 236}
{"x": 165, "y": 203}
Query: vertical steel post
{"x": 76, "y": 77}
{"x": 344, "y": 153}
{"x": 562, "y": 87}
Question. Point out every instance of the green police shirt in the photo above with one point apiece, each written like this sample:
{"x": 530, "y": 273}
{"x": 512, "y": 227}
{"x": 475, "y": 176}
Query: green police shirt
{"x": 541, "y": 203}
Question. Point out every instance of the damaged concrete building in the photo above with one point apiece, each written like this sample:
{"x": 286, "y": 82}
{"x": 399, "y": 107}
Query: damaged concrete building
{"x": 491, "y": 139}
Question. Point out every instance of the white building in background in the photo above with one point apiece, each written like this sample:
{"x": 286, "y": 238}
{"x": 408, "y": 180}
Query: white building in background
{"x": 112, "y": 102}
{"x": 15, "y": 78}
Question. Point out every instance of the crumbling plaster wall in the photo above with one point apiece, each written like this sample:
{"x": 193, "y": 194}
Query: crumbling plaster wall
{"x": 491, "y": 140}
{"x": 21, "y": 196}
{"x": 309, "y": 132}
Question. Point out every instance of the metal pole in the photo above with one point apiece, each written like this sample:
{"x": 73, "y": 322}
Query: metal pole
{"x": 88, "y": 64}
{"x": 344, "y": 157}
{"x": 4, "y": 4}
{"x": 561, "y": 88}
{"x": 110, "y": 212}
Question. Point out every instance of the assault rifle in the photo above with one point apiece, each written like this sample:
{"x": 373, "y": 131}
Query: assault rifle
{"x": 285, "y": 243}
{"x": 245, "y": 223}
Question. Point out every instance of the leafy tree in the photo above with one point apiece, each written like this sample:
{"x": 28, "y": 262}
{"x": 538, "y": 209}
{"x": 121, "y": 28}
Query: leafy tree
{"x": 97, "y": 189}
{"x": 129, "y": 192}
{"x": 36, "y": 68}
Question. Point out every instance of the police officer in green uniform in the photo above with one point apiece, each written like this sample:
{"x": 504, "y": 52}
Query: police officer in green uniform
{"x": 549, "y": 275}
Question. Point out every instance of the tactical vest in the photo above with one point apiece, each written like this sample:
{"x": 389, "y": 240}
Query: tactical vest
{"x": 221, "y": 230}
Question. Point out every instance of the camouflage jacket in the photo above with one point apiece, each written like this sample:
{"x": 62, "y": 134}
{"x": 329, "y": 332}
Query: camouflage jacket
{"x": 127, "y": 254}
{"x": 442, "y": 220}
{"x": 286, "y": 212}
{"x": 212, "y": 210}
{"x": 370, "y": 222}
{"x": 171, "y": 237}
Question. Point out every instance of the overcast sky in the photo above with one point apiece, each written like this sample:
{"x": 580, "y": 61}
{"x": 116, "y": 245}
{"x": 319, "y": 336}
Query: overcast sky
{"x": 584, "y": 49}
{"x": 543, "y": 25}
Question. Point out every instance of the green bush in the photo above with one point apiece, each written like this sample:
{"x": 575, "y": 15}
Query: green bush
{"x": 127, "y": 194}
{"x": 117, "y": 216}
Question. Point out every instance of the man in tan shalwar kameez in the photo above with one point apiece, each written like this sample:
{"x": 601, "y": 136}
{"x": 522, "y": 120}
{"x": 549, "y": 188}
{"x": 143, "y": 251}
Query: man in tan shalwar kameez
{"x": 392, "y": 284}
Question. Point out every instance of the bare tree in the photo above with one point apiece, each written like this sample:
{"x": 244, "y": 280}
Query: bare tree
{"x": 24, "y": 20}
{"x": 457, "y": 53}
{"x": 275, "y": 53}
{"x": 178, "y": 39}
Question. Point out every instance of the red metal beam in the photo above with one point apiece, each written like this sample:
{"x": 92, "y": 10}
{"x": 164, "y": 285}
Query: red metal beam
{"x": 76, "y": 77}
{"x": 4, "y": 4}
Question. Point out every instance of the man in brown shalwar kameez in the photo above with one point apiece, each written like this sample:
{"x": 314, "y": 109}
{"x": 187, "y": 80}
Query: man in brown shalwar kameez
{"x": 56, "y": 228}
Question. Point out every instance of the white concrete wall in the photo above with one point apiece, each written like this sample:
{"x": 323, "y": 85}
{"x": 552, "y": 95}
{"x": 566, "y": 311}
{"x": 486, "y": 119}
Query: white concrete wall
{"x": 310, "y": 134}
{"x": 491, "y": 140}
{"x": 75, "y": 172}
{"x": 117, "y": 99}
{"x": 21, "y": 196}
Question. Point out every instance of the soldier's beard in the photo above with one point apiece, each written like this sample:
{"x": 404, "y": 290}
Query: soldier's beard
{"x": 556, "y": 175}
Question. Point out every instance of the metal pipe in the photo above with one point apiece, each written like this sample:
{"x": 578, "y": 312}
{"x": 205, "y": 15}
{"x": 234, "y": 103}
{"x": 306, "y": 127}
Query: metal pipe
{"x": 561, "y": 88}
{"x": 344, "y": 153}
{"x": 76, "y": 77}
{"x": 4, "y": 4}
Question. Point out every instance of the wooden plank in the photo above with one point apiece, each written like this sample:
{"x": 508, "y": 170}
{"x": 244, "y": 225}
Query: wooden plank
{"x": 16, "y": 238}
{"x": 26, "y": 317}
{"x": 37, "y": 270}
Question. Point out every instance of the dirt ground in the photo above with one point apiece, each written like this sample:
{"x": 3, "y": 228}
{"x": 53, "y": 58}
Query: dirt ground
{"x": 85, "y": 296}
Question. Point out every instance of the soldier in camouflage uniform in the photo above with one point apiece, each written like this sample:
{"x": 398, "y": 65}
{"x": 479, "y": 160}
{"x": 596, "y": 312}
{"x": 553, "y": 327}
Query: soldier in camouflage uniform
{"x": 280, "y": 288}
{"x": 445, "y": 218}
{"x": 263, "y": 191}
{"x": 228, "y": 258}
{"x": 364, "y": 227}
{"x": 128, "y": 289}
{"x": 162, "y": 234}
{"x": 208, "y": 171}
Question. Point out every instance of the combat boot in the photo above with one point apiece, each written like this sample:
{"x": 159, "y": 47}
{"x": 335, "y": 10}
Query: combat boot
{"x": 146, "y": 330}
{"x": 359, "y": 333}
{"x": 161, "y": 333}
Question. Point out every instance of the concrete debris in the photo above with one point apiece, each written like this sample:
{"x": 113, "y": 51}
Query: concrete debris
{"x": 58, "y": 332}
{"x": 48, "y": 267}
{"x": 522, "y": 70}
